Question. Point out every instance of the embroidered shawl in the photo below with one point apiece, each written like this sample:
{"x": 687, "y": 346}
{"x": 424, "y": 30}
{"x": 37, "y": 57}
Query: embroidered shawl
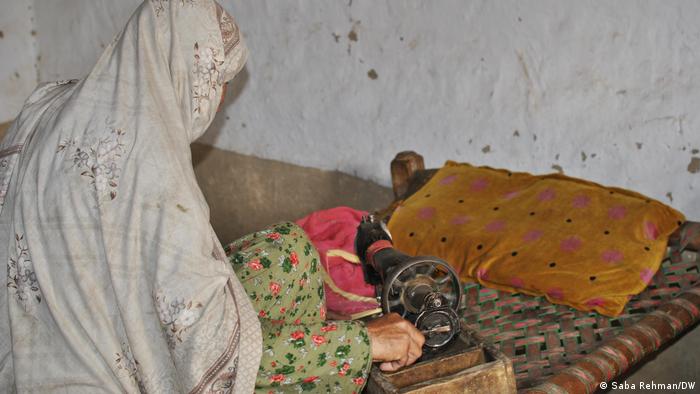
{"x": 115, "y": 279}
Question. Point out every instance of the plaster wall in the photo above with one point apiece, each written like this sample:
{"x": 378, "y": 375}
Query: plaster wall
{"x": 73, "y": 33}
{"x": 607, "y": 91}
{"x": 18, "y": 55}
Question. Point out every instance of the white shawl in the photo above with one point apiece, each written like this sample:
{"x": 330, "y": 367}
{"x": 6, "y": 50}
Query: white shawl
{"x": 115, "y": 279}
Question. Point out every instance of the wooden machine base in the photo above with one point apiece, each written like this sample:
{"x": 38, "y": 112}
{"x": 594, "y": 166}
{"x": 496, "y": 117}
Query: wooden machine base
{"x": 467, "y": 365}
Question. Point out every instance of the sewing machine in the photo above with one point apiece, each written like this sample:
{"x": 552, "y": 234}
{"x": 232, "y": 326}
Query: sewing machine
{"x": 426, "y": 291}
{"x": 423, "y": 290}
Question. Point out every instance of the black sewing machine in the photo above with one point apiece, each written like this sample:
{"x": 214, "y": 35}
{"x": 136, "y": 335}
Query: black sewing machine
{"x": 424, "y": 290}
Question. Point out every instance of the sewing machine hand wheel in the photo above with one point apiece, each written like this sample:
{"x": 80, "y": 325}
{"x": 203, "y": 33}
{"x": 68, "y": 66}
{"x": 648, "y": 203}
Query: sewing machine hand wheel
{"x": 427, "y": 291}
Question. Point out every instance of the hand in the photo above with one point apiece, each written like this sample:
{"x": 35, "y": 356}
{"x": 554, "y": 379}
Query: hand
{"x": 395, "y": 342}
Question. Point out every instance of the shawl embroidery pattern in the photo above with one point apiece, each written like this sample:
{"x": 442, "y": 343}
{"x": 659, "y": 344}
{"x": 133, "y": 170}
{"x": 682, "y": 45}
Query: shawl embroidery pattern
{"x": 229, "y": 31}
{"x": 125, "y": 361}
{"x": 207, "y": 61}
{"x": 159, "y": 7}
{"x": 223, "y": 384}
{"x": 21, "y": 277}
{"x": 176, "y": 316}
{"x": 99, "y": 159}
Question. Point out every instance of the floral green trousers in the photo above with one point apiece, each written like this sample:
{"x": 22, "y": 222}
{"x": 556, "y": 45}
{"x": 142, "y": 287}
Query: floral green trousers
{"x": 302, "y": 351}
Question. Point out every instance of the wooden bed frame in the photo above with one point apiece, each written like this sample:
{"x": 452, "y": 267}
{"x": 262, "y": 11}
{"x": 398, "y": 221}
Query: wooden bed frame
{"x": 559, "y": 349}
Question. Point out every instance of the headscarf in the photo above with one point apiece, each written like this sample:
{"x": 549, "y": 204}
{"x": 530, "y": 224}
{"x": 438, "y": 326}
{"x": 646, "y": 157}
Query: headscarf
{"x": 115, "y": 279}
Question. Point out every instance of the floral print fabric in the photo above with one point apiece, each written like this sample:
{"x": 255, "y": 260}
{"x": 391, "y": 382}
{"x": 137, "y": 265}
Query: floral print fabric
{"x": 302, "y": 352}
{"x": 99, "y": 160}
{"x": 21, "y": 278}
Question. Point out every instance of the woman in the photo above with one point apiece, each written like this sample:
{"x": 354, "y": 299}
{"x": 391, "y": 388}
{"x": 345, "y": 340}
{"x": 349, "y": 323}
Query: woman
{"x": 115, "y": 279}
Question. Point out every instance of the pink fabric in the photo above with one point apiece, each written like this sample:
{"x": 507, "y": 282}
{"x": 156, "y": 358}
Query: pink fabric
{"x": 335, "y": 228}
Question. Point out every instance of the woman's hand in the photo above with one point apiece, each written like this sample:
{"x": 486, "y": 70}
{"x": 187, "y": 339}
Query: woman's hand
{"x": 395, "y": 342}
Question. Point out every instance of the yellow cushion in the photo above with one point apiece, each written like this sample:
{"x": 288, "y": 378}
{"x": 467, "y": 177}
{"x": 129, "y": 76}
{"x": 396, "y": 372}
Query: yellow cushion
{"x": 576, "y": 242}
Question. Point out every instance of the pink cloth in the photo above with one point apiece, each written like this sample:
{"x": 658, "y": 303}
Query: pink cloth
{"x": 335, "y": 228}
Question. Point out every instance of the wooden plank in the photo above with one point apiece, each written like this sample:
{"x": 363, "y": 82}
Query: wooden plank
{"x": 471, "y": 365}
{"x": 493, "y": 377}
{"x": 436, "y": 368}
{"x": 404, "y": 165}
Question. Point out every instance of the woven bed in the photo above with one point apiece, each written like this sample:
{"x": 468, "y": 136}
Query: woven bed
{"x": 557, "y": 349}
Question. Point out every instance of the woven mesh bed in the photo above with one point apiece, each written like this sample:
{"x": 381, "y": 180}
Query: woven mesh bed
{"x": 543, "y": 339}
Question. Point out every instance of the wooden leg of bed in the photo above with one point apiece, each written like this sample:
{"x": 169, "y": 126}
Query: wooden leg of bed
{"x": 404, "y": 165}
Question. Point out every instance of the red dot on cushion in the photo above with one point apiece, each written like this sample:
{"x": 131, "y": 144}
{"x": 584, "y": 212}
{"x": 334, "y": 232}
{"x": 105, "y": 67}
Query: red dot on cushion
{"x": 426, "y": 213}
{"x": 617, "y": 212}
{"x": 651, "y": 232}
{"x": 496, "y": 225}
{"x": 511, "y": 195}
{"x": 479, "y": 184}
{"x": 595, "y": 302}
{"x": 612, "y": 256}
{"x": 448, "y": 179}
{"x": 547, "y": 195}
{"x": 571, "y": 244}
{"x": 517, "y": 282}
{"x": 556, "y": 293}
{"x": 532, "y": 235}
{"x": 646, "y": 275}
{"x": 581, "y": 201}
{"x": 457, "y": 220}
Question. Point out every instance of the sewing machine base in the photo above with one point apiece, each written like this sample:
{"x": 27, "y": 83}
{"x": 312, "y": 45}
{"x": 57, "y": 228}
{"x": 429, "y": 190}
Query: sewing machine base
{"x": 467, "y": 365}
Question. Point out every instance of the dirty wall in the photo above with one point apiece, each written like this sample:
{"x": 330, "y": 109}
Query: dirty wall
{"x": 607, "y": 91}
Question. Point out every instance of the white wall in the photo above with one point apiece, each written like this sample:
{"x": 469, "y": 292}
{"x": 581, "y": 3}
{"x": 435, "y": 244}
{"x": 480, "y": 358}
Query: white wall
{"x": 73, "y": 33}
{"x": 607, "y": 91}
{"x": 18, "y": 71}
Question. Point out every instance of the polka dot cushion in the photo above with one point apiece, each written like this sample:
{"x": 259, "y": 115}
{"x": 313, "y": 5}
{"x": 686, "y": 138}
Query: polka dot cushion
{"x": 575, "y": 242}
